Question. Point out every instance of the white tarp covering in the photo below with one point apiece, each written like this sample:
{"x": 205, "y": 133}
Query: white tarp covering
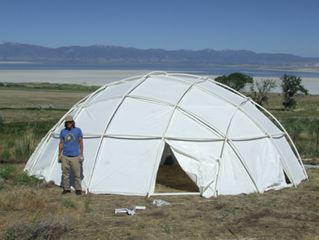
{"x": 222, "y": 141}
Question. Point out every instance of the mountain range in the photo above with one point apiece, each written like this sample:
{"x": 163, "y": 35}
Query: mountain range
{"x": 103, "y": 54}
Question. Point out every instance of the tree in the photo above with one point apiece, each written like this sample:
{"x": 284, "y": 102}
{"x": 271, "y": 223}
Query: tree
{"x": 260, "y": 90}
{"x": 291, "y": 86}
{"x": 235, "y": 80}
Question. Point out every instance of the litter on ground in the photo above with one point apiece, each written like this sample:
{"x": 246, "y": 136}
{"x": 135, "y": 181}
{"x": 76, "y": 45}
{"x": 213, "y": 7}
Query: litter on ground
{"x": 128, "y": 211}
{"x": 160, "y": 203}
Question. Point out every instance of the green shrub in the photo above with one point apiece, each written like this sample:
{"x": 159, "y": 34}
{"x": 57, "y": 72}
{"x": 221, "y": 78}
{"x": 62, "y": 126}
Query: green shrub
{"x": 24, "y": 179}
{"x": 21, "y": 231}
{"x": 87, "y": 203}
{"x": 7, "y": 171}
{"x": 291, "y": 86}
{"x": 10, "y": 143}
{"x": 235, "y": 80}
{"x": 1, "y": 121}
{"x": 68, "y": 203}
{"x": 25, "y": 145}
{"x": 304, "y": 133}
{"x": 10, "y": 174}
{"x": 5, "y": 156}
{"x": 46, "y": 229}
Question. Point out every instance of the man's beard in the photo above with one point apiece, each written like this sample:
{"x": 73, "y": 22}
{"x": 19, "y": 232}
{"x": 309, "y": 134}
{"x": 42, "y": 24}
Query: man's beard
{"x": 69, "y": 128}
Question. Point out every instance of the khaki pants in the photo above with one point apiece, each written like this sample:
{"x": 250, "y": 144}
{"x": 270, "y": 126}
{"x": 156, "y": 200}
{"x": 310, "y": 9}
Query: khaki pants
{"x": 73, "y": 164}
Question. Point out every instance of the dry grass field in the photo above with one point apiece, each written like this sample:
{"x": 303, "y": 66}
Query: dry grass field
{"x": 34, "y": 210}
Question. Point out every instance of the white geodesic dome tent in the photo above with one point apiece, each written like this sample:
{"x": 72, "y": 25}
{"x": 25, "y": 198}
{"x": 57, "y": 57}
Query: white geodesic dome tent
{"x": 219, "y": 137}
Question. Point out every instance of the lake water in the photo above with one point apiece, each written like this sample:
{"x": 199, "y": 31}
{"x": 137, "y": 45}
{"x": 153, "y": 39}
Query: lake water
{"x": 92, "y": 74}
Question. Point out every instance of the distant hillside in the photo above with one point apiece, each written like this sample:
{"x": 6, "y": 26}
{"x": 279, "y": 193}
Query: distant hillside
{"x": 100, "y": 54}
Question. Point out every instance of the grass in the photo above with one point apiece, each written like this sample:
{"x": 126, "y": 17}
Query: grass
{"x": 7, "y": 171}
{"x": 286, "y": 214}
{"x": 11, "y": 175}
{"x": 19, "y": 139}
{"x": 46, "y": 229}
{"x": 302, "y": 123}
{"x": 38, "y": 99}
{"x": 47, "y": 86}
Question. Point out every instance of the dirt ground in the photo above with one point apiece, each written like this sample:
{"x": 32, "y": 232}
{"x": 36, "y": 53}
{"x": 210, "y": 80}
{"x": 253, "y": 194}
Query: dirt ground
{"x": 291, "y": 213}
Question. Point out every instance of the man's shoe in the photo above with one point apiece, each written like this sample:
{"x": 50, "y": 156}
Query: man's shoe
{"x": 78, "y": 192}
{"x": 66, "y": 191}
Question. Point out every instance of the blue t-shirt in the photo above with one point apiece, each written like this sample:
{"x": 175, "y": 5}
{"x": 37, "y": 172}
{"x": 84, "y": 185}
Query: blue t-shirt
{"x": 71, "y": 139}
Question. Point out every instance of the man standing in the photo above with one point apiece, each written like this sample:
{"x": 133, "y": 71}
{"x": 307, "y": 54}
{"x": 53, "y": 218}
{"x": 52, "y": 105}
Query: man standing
{"x": 71, "y": 154}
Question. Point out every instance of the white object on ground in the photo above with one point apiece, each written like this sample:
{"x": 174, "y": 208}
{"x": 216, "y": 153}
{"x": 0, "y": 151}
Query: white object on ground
{"x": 160, "y": 203}
{"x": 140, "y": 208}
{"x": 128, "y": 211}
{"x": 119, "y": 211}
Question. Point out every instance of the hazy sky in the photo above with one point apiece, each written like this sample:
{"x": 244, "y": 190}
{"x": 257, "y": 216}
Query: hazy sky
{"x": 288, "y": 26}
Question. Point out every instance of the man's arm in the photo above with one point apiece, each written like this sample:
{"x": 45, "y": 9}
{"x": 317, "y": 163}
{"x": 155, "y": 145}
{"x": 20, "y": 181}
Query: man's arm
{"x": 81, "y": 146}
{"x": 60, "y": 149}
{"x": 81, "y": 143}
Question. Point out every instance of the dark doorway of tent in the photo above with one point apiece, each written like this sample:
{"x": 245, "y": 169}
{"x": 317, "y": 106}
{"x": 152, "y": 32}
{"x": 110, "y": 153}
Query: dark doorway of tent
{"x": 171, "y": 178}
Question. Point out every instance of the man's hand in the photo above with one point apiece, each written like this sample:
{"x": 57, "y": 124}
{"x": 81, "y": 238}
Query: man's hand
{"x": 81, "y": 158}
{"x": 60, "y": 158}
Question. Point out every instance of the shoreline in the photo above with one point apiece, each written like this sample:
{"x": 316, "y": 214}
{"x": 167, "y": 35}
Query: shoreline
{"x": 101, "y": 77}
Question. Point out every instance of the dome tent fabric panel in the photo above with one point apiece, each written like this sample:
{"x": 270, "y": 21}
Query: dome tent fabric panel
{"x": 221, "y": 93}
{"x": 295, "y": 169}
{"x": 127, "y": 123}
{"x": 208, "y": 108}
{"x": 200, "y": 162}
{"x": 169, "y": 90}
{"x": 263, "y": 162}
{"x": 233, "y": 177}
{"x": 241, "y": 126}
{"x": 112, "y": 91}
{"x": 253, "y": 112}
{"x": 131, "y": 172}
{"x": 48, "y": 154}
{"x": 91, "y": 116}
{"x": 142, "y": 118}
{"x": 194, "y": 130}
